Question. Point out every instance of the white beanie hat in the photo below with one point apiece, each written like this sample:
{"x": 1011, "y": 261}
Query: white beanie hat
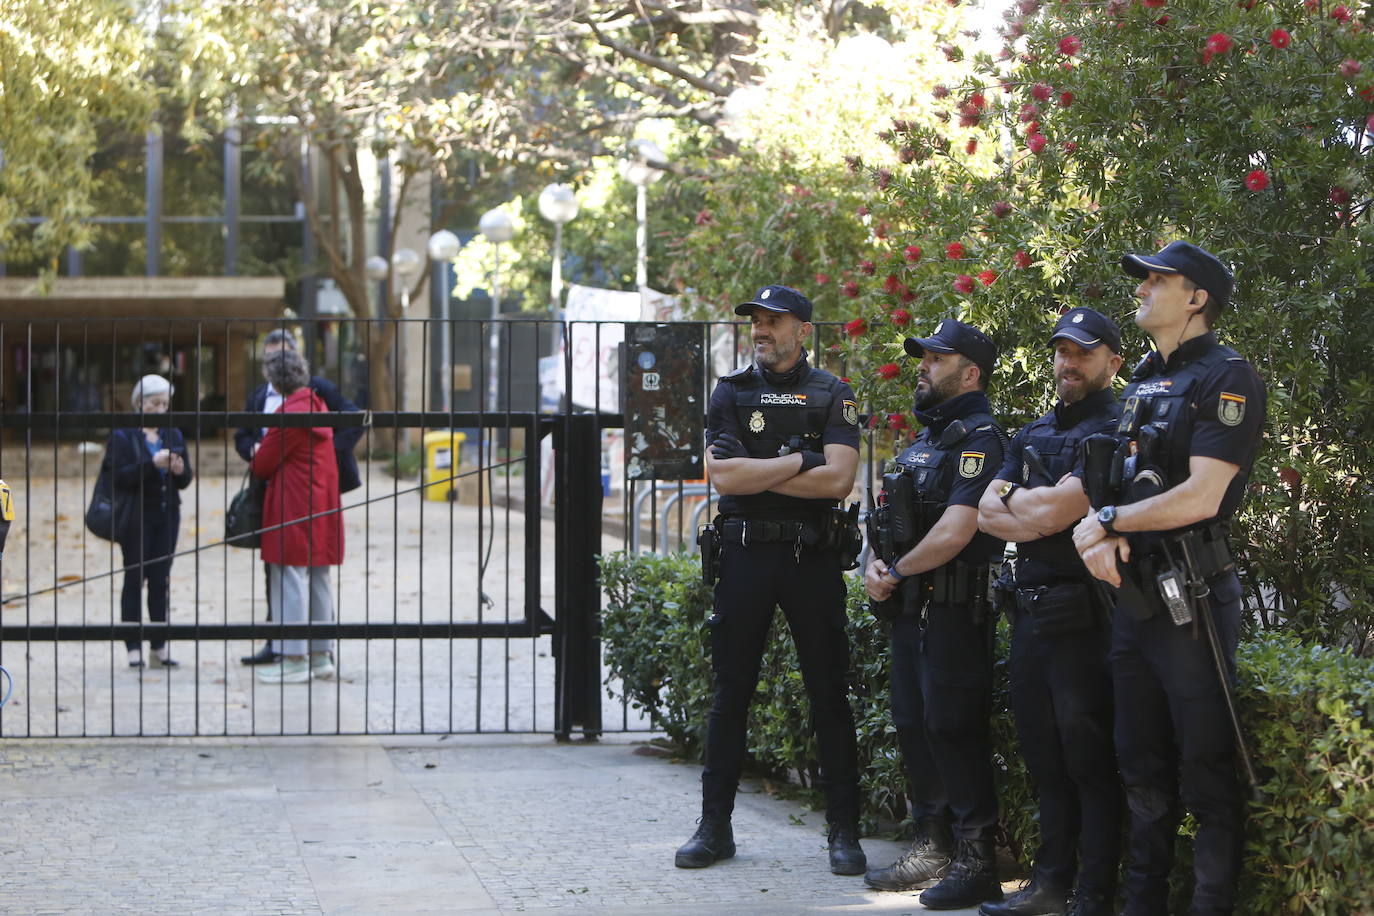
{"x": 148, "y": 386}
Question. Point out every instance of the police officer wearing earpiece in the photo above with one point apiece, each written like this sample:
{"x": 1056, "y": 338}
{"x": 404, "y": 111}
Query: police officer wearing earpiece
{"x": 934, "y": 588}
{"x": 1191, "y": 422}
{"x": 1061, "y": 688}
{"x": 784, "y": 448}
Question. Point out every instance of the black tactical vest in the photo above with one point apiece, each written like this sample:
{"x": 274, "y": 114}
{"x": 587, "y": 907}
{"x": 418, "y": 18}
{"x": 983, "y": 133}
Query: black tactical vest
{"x": 1045, "y": 560}
{"x": 769, "y": 417}
{"x": 1168, "y": 404}
{"x": 930, "y": 460}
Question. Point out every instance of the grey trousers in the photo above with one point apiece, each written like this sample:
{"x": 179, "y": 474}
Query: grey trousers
{"x": 300, "y": 593}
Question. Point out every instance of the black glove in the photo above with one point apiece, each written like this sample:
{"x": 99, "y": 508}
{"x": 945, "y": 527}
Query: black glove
{"x": 727, "y": 446}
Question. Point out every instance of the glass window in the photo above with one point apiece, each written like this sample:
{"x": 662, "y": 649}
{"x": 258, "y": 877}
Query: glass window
{"x": 192, "y": 176}
{"x": 192, "y": 249}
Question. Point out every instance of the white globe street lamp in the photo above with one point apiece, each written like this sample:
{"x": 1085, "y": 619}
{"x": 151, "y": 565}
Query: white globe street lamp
{"x": 496, "y": 227}
{"x": 558, "y": 205}
{"x": 443, "y": 247}
{"x": 641, "y": 167}
{"x": 406, "y": 263}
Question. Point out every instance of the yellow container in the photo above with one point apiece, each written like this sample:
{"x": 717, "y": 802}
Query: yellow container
{"x": 443, "y": 448}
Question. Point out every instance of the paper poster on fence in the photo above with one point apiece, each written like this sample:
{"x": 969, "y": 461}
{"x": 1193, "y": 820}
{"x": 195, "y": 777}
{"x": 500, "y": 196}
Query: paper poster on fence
{"x": 595, "y": 329}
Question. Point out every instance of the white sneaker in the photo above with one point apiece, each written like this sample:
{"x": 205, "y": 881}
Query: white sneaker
{"x": 286, "y": 671}
{"x": 321, "y": 664}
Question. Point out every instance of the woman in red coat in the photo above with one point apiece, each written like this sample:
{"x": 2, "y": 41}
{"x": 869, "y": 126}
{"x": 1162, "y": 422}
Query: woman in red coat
{"x": 303, "y": 533}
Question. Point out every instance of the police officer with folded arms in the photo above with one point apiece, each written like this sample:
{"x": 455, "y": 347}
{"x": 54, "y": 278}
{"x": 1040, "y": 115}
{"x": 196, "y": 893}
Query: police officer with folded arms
{"x": 1163, "y": 487}
{"x": 783, "y": 450}
{"x": 934, "y": 588}
{"x": 1061, "y": 688}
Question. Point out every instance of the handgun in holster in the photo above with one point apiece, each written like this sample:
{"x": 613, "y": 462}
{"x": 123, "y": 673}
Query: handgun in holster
{"x": 708, "y": 540}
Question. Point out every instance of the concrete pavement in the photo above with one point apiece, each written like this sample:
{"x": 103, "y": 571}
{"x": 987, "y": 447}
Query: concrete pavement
{"x": 473, "y": 825}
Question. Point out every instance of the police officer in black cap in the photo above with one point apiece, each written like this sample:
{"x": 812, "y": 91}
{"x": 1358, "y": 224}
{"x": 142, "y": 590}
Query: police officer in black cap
{"x": 1061, "y": 688}
{"x": 784, "y": 448}
{"x": 941, "y": 641}
{"x": 1191, "y": 421}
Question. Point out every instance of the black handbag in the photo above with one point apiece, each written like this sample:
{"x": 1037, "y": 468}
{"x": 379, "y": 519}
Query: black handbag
{"x": 243, "y": 519}
{"x": 100, "y": 513}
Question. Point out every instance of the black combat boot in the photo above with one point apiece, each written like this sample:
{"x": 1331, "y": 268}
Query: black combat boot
{"x": 925, "y": 863}
{"x": 972, "y": 879}
{"x": 846, "y": 855}
{"x": 1090, "y": 903}
{"x": 1038, "y": 898}
{"x": 713, "y": 841}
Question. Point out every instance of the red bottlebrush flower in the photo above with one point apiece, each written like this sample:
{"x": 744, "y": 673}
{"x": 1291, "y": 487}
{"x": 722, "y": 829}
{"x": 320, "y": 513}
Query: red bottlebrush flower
{"x": 952, "y": 52}
{"x": 1041, "y": 93}
{"x": 850, "y": 289}
{"x": 971, "y": 147}
{"x": 866, "y": 268}
{"x": 873, "y": 421}
{"x": 1032, "y": 127}
{"x": 1218, "y": 43}
{"x": 912, "y": 253}
{"x": 880, "y": 230}
{"x": 1035, "y": 143}
{"x": 891, "y": 284}
{"x": 1162, "y": 21}
{"x": 954, "y": 251}
{"x": 1291, "y": 477}
{"x": 1029, "y": 112}
{"x": 977, "y": 100}
{"x": 907, "y": 155}
{"x": 1369, "y": 124}
{"x": 856, "y": 328}
{"x": 1115, "y": 8}
{"x": 1349, "y": 68}
{"x": 969, "y": 116}
{"x": 987, "y": 277}
{"x": 1152, "y": 4}
{"x": 1027, "y": 7}
{"x": 1021, "y": 260}
{"x": 889, "y": 371}
{"x": 1065, "y": 99}
{"x": 1257, "y": 180}
{"x": 901, "y": 318}
{"x": 1339, "y": 196}
{"x": 1000, "y": 209}
{"x": 941, "y": 91}
{"x": 964, "y": 284}
{"x": 884, "y": 178}
{"x": 896, "y": 421}
{"x": 822, "y": 279}
{"x": 1070, "y": 45}
{"x": 703, "y": 218}
{"x": 1279, "y": 38}
{"x": 1311, "y": 5}
{"x": 1367, "y": 93}
{"x": 1340, "y": 14}
{"x": 1070, "y": 146}
{"x": 854, "y": 163}
{"x": 862, "y": 211}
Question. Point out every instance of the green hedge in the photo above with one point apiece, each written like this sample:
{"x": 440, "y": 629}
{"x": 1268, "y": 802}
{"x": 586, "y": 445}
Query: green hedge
{"x": 1306, "y": 709}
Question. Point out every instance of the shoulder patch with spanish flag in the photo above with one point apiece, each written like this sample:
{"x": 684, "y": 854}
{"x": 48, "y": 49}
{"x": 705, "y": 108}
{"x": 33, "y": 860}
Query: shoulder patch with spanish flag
{"x": 971, "y": 464}
{"x": 1231, "y": 408}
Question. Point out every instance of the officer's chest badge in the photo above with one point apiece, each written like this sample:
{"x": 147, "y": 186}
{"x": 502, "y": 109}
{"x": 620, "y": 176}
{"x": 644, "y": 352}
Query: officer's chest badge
{"x": 1231, "y": 408}
{"x": 851, "y": 413}
{"x": 971, "y": 464}
{"x": 756, "y": 422}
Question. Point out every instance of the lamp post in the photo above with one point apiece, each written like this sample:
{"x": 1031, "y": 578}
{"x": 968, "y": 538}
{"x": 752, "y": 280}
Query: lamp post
{"x": 443, "y": 248}
{"x": 496, "y": 227}
{"x": 558, "y": 205}
{"x": 641, "y": 167}
{"x": 406, "y": 263}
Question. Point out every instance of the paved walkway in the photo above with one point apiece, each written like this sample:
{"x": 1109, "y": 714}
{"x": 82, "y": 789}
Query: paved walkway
{"x": 472, "y": 825}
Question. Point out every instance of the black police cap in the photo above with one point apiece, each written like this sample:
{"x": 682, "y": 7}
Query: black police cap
{"x": 1088, "y": 328}
{"x": 778, "y": 299}
{"x": 956, "y": 337}
{"x": 1197, "y": 264}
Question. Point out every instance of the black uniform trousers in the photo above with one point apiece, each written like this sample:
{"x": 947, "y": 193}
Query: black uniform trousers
{"x": 1174, "y": 737}
{"x": 1061, "y": 693}
{"x": 811, "y": 592}
{"x": 941, "y": 703}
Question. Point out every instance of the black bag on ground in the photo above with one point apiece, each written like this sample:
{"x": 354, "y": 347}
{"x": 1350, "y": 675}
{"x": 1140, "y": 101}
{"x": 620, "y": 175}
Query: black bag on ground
{"x": 243, "y": 519}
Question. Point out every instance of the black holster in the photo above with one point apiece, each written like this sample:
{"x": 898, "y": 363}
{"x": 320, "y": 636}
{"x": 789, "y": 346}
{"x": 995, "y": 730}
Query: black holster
{"x": 708, "y": 540}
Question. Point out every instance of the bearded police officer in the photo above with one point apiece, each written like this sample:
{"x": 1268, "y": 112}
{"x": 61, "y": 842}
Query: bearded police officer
{"x": 1061, "y": 689}
{"x": 933, "y": 585}
{"x": 784, "y": 448}
{"x": 1190, "y": 427}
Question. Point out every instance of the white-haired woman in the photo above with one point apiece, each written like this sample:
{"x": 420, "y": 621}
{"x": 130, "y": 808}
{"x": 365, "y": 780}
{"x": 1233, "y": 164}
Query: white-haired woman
{"x": 149, "y": 467}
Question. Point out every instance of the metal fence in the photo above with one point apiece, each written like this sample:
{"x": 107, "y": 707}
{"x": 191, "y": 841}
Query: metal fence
{"x": 468, "y": 598}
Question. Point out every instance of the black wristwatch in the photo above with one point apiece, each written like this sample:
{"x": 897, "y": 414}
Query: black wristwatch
{"x": 1004, "y": 492}
{"x": 1106, "y": 517}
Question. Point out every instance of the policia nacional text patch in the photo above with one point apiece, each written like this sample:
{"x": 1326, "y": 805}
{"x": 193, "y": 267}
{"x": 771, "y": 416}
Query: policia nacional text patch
{"x": 1231, "y": 408}
{"x": 971, "y": 464}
